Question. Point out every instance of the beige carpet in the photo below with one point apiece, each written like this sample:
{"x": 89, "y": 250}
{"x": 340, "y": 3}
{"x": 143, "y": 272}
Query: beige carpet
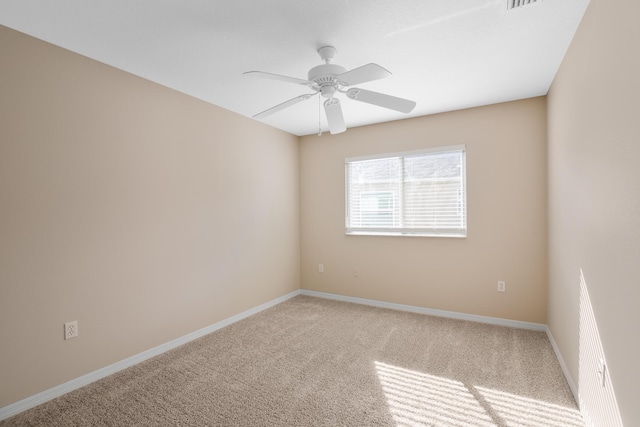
{"x": 315, "y": 362}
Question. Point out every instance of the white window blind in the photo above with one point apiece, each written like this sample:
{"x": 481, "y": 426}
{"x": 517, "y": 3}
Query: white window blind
{"x": 415, "y": 193}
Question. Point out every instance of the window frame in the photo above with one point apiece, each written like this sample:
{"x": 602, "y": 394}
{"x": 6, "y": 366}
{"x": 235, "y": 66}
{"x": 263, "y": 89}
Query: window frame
{"x": 459, "y": 232}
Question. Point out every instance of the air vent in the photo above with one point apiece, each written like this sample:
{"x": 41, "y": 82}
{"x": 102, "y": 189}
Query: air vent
{"x": 512, "y": 4}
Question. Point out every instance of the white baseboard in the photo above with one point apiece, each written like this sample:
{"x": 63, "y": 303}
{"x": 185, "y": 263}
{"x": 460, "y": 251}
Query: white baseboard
{"x": 564, "y": 368}
{"x": 429, "y": 311}
{"x": 44, "y": 396}
{"x": 463, "y": 316}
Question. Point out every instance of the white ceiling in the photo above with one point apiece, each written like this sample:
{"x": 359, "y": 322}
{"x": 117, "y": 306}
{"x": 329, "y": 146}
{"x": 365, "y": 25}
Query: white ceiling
{"x": 444, "y": 54}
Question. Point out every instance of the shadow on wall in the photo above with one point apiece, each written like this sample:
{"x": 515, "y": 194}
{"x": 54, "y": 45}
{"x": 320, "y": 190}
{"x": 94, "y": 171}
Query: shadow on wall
{"x": 597, "y": 397}
{"x": 418, "y": 399}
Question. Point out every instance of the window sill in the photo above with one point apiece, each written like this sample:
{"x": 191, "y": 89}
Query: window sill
{"x": 404, "y": 234}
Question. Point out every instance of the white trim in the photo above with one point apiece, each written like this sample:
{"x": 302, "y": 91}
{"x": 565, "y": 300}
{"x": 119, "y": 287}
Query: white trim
{"x": 44, "y": 396}
{"x": 565, "y": 370}
{"x": 443, "y": 149}
{"x": 472, "y": 318}
{"x": 397, "y": 182}
{"x": 59, "y": 390}
{"x": 405, "y": 232}
{"x": 430, "y": 311}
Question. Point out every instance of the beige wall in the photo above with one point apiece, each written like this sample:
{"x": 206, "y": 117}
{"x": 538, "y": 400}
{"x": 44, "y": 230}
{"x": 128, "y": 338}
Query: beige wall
{"x": 594, "y": 189}
{"x": 146, "y": 214}
{"x": 138, "y": 211}
{"x": 506, "y": 180}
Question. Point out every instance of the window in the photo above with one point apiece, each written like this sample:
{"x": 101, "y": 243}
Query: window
{"x": 420, "y": 193}
{"x": 376, "y": 208}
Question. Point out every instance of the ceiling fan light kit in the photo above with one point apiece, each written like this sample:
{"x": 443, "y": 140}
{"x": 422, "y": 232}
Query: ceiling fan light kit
{"x": 328, "y": 79}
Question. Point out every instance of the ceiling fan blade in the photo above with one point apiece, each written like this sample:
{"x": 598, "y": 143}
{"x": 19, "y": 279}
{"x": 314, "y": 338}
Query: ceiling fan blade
{"x": 366, "y": 73}
{"x": 272, "y": 76}
{"x": 284, "y": 105}
{"x": 381, "y": 100}
{"x": 335, "y": 118}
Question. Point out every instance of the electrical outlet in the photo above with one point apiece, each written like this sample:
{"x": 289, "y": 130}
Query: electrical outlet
{"x": 502, "y": 286}
{"x": 70, "y": 330}
{"x": 320, "y": 268}
{"x": 355, "y": 272}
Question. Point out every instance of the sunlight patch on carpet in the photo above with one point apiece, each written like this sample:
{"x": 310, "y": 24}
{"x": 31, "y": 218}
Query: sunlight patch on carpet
{"x": 416, "y": 399}
{"x": 526, "y": 412}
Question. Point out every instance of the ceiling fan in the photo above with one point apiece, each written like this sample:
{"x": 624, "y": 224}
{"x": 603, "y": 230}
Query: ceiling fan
{"x": 328, "y": 80}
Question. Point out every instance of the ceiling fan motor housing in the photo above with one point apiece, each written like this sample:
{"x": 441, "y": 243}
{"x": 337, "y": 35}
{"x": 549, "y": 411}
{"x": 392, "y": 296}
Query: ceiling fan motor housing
{"x": 324, "y": 76}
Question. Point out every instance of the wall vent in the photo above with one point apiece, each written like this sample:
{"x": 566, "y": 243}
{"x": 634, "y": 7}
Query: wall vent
{"x": 512, "y": 4}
